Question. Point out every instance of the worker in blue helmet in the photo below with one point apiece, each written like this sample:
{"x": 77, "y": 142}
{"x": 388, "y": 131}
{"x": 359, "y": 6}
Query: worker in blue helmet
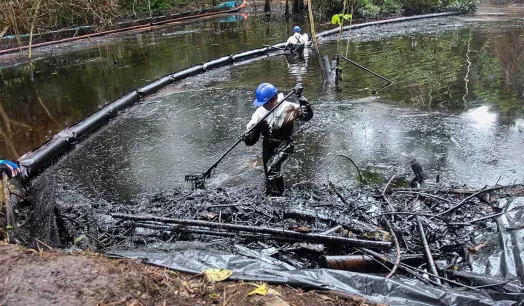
{"x": 276, "y": 131}
{"x": 297, "y": 42}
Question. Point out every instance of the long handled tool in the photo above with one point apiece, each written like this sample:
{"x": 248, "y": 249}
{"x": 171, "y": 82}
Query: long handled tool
{"x": 199, "y": 179}
{"x": 389, "y": 82}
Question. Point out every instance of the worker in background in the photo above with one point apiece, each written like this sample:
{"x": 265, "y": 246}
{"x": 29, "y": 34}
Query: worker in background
{"x": 276, "y": 129}
{"x": 298, "y": 42}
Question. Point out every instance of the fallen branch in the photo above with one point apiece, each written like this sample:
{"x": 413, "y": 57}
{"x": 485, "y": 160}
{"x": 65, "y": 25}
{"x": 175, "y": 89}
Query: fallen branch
{"x": 331, "y": 230}
{"x": 476, "y": 220}
{"x": 429, "y": 257}
{"x": 406, "y": 213}
{"x": 397, "y": 248}
{"x": 427, "y": 195}
{"x": 404, "y": 267}
{"x": 261, "y": 230}
{"x": 351, "y": 224}
{"x": 412, "y": 271}
{"x": 202, "y": 231}
{"x": 467, "y": 199}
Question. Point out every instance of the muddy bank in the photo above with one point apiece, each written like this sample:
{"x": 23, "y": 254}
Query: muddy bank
{"x": 31, "y": 277}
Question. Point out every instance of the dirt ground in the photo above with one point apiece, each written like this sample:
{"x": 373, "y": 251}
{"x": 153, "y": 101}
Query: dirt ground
{"x": 37, "y": 277}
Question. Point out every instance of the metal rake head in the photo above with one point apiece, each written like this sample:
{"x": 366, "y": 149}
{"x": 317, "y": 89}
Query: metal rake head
{"x": 197, "y": 181}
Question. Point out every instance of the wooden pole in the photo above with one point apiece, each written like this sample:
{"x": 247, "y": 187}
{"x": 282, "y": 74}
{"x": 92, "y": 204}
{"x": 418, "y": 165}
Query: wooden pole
{"x": 9, "y": 213}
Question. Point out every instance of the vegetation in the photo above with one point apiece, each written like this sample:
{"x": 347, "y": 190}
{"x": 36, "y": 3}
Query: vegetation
{"x": 34, "y": 16}
{"x": 371, "y": 9}
{"x": 25, "y": 16}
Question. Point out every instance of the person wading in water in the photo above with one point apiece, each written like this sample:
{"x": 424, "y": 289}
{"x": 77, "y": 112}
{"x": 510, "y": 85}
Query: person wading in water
{"x": 298, "y": 42}
{"x": 276, "y": 129}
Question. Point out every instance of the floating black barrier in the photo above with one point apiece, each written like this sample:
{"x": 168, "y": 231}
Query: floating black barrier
{"x": 88, "y": 125}
{"x": 154, "y": 86}
{"x": 278, "y": 46}
{"x": 386, "y": 21}
{"x": 123, "y": 102}
{"x": 187, "y": 73}
{"x": 35, "y": 161}
{"x": 249, "y": 54}
{"x": 219, "y": 62}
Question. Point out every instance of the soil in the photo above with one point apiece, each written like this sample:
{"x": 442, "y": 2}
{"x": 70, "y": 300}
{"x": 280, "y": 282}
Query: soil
{"x": 38, "y": 277}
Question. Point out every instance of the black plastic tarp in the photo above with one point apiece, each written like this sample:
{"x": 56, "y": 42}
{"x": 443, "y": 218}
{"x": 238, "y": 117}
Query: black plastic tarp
{"x": 395, "y": 291}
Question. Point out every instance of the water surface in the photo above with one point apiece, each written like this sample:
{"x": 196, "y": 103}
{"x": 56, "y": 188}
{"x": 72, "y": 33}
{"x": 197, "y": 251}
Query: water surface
{"x": 456, "y": 106}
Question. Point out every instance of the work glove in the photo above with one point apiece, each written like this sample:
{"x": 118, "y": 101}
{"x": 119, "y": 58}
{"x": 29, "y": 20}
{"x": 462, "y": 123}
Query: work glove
{"x": 305, "y": 108}
{"x": 302, "y": 101}
{"x": 245, "y": 136}
{"x": 298, "y": 90}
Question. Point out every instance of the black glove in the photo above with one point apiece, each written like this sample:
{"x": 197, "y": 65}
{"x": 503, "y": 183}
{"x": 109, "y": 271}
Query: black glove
{"x": 246, "y": 136}
{"x": 307, "y": 111}
{"x": 302, "y": 101}
{"x": 298, "y": 90}
{"x": 242, "y": 136}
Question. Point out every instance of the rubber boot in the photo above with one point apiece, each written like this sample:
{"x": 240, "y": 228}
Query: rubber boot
{"x": 275, "y": 186}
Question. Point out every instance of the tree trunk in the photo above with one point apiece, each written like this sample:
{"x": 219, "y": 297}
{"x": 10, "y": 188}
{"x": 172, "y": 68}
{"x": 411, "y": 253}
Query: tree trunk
{"x": 267, "y": 7}
{"x": 298, "y": 6}
{"x": 287, "y": 8}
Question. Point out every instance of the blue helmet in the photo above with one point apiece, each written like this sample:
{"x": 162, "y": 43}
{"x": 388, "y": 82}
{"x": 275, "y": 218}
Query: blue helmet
{"x": 264, "y": 93}
{"x": 296, "y": 29}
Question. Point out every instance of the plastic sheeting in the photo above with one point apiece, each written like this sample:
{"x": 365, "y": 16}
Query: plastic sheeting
{"x": 395, "y": 291}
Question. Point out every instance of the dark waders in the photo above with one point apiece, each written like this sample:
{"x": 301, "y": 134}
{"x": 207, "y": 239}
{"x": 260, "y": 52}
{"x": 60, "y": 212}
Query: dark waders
{"x": 274, "y": 153}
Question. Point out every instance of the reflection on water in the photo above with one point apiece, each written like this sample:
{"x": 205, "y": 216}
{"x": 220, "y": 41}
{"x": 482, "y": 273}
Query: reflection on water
{"x": 69, "y": 86}
{"x": 183, "y": 130}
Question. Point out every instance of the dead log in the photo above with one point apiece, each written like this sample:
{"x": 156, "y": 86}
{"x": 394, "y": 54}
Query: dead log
{"x": 353, "y": 225}
{"x": 261, "y": 230}
{"x": 209, "y": 232}
{"x": 332, "y": 230}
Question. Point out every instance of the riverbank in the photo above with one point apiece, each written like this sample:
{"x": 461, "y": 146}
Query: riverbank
{"x": 16, "y": 30}
{"x": 33, "y": 277}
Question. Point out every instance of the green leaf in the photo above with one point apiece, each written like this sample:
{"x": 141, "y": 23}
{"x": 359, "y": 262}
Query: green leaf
{"x": 79, "y": 238}
{"x": 335, "y": 19}
{"x": 9, "y": 227}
